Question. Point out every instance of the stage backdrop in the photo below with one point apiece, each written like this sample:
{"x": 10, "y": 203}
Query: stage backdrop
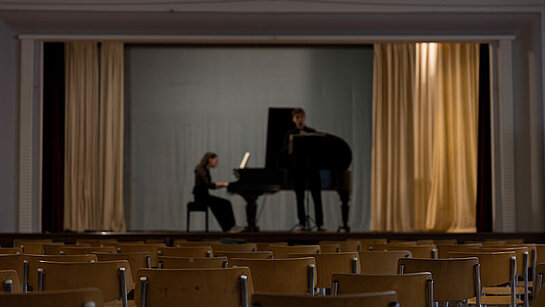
{"x": 182, "y": 101}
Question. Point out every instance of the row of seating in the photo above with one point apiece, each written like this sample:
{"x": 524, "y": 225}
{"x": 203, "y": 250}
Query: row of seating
{"x": 489, "y": 256}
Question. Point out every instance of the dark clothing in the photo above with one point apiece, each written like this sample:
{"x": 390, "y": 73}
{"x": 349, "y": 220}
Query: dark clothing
{"x": 222, "y": 209}
{"x": 305, "y": 177}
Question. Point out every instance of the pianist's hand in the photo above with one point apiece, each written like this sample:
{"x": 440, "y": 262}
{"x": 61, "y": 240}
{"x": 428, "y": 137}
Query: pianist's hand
{"x": 222, "y": 184}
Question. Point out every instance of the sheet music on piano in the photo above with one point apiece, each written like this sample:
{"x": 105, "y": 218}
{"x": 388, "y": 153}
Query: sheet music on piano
{"x": 244, "y": 160}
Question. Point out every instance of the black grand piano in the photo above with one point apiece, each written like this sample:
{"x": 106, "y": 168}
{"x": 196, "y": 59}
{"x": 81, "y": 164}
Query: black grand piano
{"x": 328, "y": 153}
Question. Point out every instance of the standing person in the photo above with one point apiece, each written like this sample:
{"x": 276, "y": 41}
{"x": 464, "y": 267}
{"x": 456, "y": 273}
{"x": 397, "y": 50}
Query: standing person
{"x": 221, "y": 207}
{"x": 302, "y": 175}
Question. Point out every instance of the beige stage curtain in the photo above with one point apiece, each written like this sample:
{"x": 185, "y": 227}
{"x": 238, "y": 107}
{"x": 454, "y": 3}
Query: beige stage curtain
{"x": 94, "y": 137}
{"x": 425, "y": 139}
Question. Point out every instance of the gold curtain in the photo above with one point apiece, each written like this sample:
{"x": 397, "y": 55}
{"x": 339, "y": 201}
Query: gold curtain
{"x": 425, "y": 137}
{"x": 93, "y": 137}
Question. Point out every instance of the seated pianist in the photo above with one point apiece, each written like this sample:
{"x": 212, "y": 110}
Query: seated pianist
{"x": 303, "y": 175}
{"x": 222, "y": 209}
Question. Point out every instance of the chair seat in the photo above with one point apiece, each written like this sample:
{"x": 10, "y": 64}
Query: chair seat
{"x": 197, "y": 206}
{"x": 494, "y": 300}
{"x": 503, "y": 290}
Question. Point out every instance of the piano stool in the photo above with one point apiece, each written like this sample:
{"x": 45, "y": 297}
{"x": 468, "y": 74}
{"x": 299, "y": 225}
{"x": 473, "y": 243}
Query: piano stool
{"x": 197, "y": 207}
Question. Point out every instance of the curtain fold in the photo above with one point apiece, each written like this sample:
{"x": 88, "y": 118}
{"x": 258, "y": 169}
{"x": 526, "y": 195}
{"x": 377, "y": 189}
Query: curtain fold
{"x": 425, "y": 137}
{"x": 93, "y": 132}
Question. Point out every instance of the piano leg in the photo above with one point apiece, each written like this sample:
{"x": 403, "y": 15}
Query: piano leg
{"x": 251, "y": 210}
{"x": 345, "y": 196}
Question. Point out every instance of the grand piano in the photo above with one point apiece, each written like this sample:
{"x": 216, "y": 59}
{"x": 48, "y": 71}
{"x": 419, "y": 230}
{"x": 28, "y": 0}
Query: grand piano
{"x": 325, "y": 152}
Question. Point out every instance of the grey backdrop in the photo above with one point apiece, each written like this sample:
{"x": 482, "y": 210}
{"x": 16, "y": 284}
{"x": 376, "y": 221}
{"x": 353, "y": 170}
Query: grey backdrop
{"x": 182, "y": 101}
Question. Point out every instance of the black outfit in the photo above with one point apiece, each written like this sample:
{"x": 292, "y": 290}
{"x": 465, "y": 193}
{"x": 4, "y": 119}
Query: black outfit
{"x": 303, "y": 177}
{"x": 221, "y": 207}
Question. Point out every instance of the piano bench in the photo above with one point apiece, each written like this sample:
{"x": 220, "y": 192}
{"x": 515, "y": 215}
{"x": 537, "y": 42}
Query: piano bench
{"x": 197, "y": 207}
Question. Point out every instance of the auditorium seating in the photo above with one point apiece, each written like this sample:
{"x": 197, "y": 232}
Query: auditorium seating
{"x": 136, "y": 260}
{"x": 194, "y": 287}
{"x": 377, "y": 299}
{"x": 195, "y": 251}
{"x": 11, "y": 250}
{"x": 9, "y": 281}
{"x": 280, "y": 251}
{"x": 413, "y": 289}
{"x": 192, "y": 262}
{"x": 250, "y": 255}
{"x": 288, "y": 276}
{"x": 66, "y": 298}
{"x": 381, "y": 262}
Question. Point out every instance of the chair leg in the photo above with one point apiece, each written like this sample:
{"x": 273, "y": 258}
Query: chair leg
{"x": 187, "y": 219}
{"x": 206, "y": 222}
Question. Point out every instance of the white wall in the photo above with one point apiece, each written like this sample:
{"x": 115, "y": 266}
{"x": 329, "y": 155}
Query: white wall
{"x": 8, "y": 128}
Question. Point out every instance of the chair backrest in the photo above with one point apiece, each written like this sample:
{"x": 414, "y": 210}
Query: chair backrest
{"x": 417, "y": 251}
{"x": 375, "y": 299}
{"x": 540, "y": 249}
{"x": 445, "y": 242}
{"x": 495, "y": 266}
{"x": 289, "y": 276}
{"x": 35, "y": 260}
{"x": 330, "y": 247}
{"x": 194, "y": 251}
{"x": 193, "y": 287}
{"x": 66, "y": 298}
{"x": 107, "y": 276}
{"x": 444, "y": 250}
{"x": 185, "y": 243}
{"x": 519, "y": 251}
{"x": 140, "y": 248}
{"x": 13, "y": 262}
{"x": 413, "y": 289}
{"x": 281, "y": 252}
{"x": 329, "y": 263}
{"x": 266, "y": 246}
{"x": 97, "y": 242}
{"x": 9, "y": 281}
{"x": 192, "y": 262}
{"x": 243, "y": 247}
{"x": 454, "y": 279}
{"x": 249, "y": 255}
{"x": 367, "y": 243}
{"x": 77, "y": 250}
{"x": 381, "y": 262}
{"x": 37, "y": 248}
{"x": 11, "y": 250}
{"x": 349, "y": 245}
{"x": 136, "y": 260}
{"x": 424, "y": 242}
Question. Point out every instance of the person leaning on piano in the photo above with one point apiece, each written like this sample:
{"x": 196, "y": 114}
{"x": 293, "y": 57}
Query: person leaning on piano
{"x": 222, "y": 209}
{"x": 303, "y": 175}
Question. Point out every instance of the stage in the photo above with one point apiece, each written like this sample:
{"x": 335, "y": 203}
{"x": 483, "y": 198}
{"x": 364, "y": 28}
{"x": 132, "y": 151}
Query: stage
{"x": 6, "y": 239}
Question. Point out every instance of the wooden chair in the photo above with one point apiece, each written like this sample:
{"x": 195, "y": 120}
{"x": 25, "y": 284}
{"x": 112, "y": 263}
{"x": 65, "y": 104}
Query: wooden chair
{"x": 248, "y": 255}
{"x": 36, "y": 248}
{"x": 367, "y": 243}
{"x": 195, "y": 287}
{"x": 11, "y": 250}
{"x": 113, "y": 278}
{"x": 185, "y": 243}
{"x": 10, "y": 281}
{"x": 141, "y": 248}
{"x": 375, "y": 299}
{"x": 540, "y": 272}
{"x": 413, "y": 289}
{"x": 266, "y": 246}
{"x": 445, "y": 242}
{"x": 67, "y": 298}
{"x": 346, "y": 245}
{"x": 192, "y": 262}
{"x": 288, "y": 276}
{"x": 330, "y": 247}
{"x": 280, "y": 251}
{"x": 454, "y": 280}
{"x": 417, "y": 251}
{"x": 196, "y": 251}
{"x": 243, "y": 247}
{"x": 32, "y": 262}
{"x": 97, "y": 242}
{"x": 136, "y": 260}
{"x": 497, "y": 269}
{"x": 77, "y": 250}
{"x": 18, "y": 264}
{"x": 381, "y": 262}
{"x": 328, "y": 264}
{"x": 424, "y": 242}
{"x": 444, "y": 250}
